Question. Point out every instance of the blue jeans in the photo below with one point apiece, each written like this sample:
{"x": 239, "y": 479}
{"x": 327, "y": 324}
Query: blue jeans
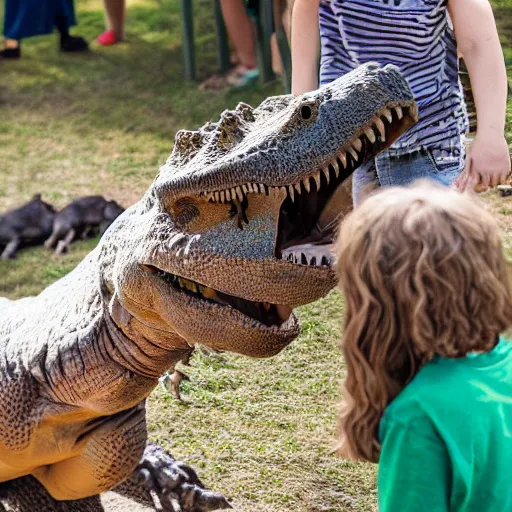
{"x": 386, "y": 170}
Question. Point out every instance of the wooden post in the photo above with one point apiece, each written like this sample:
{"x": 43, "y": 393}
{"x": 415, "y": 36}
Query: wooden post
{"x": 189, "y": 51}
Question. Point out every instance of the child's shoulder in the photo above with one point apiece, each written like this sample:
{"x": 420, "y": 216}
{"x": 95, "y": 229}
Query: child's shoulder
{"x": 455, "y": 384}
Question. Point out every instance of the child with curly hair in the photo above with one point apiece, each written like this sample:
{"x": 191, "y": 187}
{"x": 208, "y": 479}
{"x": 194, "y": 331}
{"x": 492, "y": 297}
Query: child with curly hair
{"x": 428, "y": 391}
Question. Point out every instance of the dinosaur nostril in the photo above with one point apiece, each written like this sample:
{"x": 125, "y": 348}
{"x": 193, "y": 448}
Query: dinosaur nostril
{"x": 306, "y": 112}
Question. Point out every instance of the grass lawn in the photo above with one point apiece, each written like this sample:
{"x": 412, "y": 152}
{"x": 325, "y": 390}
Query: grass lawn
{"x": 260, "y": 431}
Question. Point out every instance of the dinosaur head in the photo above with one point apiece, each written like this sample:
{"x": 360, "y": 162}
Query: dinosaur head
{"x": 237, "y": 227}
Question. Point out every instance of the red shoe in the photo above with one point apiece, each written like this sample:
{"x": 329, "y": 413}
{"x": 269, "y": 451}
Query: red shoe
{"x": 108, "y": 38}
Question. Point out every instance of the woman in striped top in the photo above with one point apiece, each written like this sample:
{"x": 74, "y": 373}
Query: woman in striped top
{"x": 422, "y": 38}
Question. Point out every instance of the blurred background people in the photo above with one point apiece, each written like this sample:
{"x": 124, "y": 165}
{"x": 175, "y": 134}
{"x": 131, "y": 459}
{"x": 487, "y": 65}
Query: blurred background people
{"x": 242, "y": 35}
{"x": 27, "y": 18}
{"x": 115, "y": 11}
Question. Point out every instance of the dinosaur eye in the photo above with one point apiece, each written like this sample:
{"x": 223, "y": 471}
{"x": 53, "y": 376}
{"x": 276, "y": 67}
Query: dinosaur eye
{"x": 306, "y": 112}
{"x": 185, "y": 210}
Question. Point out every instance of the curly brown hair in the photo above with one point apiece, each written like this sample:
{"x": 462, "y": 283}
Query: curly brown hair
{"x": 423, "y": 272}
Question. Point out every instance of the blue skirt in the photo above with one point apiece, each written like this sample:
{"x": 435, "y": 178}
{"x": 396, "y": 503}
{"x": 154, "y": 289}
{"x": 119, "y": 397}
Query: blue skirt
{"x": 26, "y": 18}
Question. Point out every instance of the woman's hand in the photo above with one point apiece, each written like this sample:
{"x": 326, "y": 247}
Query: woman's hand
{"x": 488, "y": 161}
{"x": 487, "y": 165}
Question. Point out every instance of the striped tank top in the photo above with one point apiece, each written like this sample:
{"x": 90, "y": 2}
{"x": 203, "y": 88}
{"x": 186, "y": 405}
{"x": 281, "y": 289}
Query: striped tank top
{"x": 416, "y": 36}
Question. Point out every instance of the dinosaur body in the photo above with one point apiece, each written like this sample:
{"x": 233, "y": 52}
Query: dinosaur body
{"x": 232, "y": 235}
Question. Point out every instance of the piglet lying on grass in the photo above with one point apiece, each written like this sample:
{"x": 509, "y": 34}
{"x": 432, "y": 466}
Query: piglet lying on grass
{"x": 83, "y": 217}
{"x": 29, "y": 224}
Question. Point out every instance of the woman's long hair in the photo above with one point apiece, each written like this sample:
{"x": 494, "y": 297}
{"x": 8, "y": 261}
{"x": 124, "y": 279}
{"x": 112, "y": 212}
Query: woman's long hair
{"x": 423, "y": 272}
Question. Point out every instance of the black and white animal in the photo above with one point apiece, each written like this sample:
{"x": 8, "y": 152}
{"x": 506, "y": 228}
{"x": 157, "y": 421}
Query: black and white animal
{"x": 81, "y": 218}
{"x": 29, "y": 224}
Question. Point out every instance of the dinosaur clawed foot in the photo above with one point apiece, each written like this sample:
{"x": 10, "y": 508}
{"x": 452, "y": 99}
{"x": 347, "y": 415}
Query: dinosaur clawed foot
{"x": 172, "y": 381}
{"x": 175, "y": 484}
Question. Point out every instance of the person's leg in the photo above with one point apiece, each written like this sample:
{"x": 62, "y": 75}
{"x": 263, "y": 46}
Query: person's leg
{"x": 11, "y": 49}
{"x": 364, "y": 181}
{"x": 65, "y": 18}
{"x": 114, "y": 20}
{"x": 13, "y": 16}
{"x": 242, "y": 34}
{"x": 422, "y": 164}
{"x": 241, "y": 31}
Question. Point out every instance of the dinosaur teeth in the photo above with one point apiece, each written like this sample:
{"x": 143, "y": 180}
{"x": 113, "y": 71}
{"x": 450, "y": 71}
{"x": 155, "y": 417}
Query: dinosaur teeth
{"x": 216, "y": 195}
{"x": 316, "y": 177}
{"x": 291, "y": 192}
{"x": 297, "y": 188}
{"x": 327, "y": 174}
{"x": 309, "y": 254}
{"x": 307, "y": 186}
{"x": 262, "y": 188}
{"x": 370, "y": 134}
{"x": 358, "y": 144}
{"x": 388, "y": 115}
{"x": 228, "y": 195}
{"x": 399, "y": 113}
{"x": 336, "y": 167}
{"x": 209, "y": 196}
{"x": 343, "y": 159}
{"x": 354, "y": 154}
{"x": 208, "y": 293}
{"x": 239, "y": 194}
{"x": 380, "y": 127}
{"x": 222, "y": 196}
{"x": 245, "y": 189}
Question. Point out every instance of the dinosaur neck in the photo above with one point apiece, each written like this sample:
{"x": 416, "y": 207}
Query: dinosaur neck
{"x": 138, "y": 349}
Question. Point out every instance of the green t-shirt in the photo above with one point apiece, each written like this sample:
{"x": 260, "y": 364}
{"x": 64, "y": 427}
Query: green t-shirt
{"x": 447, "y": 438}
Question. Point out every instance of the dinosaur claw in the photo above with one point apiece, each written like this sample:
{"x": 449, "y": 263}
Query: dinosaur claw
{"x": 171, "y": 383}
{"x": 175, "y": 484}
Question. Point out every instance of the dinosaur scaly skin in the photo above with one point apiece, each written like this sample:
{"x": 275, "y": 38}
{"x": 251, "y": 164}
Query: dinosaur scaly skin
{"x": 233, "y": 233}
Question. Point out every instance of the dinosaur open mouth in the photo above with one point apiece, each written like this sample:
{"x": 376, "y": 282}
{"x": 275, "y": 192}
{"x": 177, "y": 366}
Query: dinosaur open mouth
{"x": 264, "y": 312}
{"x": 308, "y": 219}
{"x": 314, "y": 205}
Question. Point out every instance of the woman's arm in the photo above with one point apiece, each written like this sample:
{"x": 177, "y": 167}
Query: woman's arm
{"x": 305, "y": 46}
{"x": 488, "y": 162}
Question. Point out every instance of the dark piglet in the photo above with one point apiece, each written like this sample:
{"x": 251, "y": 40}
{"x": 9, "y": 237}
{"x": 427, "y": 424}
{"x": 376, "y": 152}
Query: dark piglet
{"x": 29, "y": 224}
{"x": 83, "y": 217}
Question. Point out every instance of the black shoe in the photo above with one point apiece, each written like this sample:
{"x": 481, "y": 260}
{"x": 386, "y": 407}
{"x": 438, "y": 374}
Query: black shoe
{"x": 10, "y": 53}
{"x": 73, "y": 44}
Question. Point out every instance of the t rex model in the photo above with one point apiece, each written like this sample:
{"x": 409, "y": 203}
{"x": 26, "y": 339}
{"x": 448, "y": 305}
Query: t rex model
{"x": 231, "y": 236}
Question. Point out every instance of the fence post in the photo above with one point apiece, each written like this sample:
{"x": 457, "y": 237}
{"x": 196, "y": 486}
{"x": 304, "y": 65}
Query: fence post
{"x": 264, "y": 33}
{"x": 189, "y": 51}
{"x": 222, "y": 39}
